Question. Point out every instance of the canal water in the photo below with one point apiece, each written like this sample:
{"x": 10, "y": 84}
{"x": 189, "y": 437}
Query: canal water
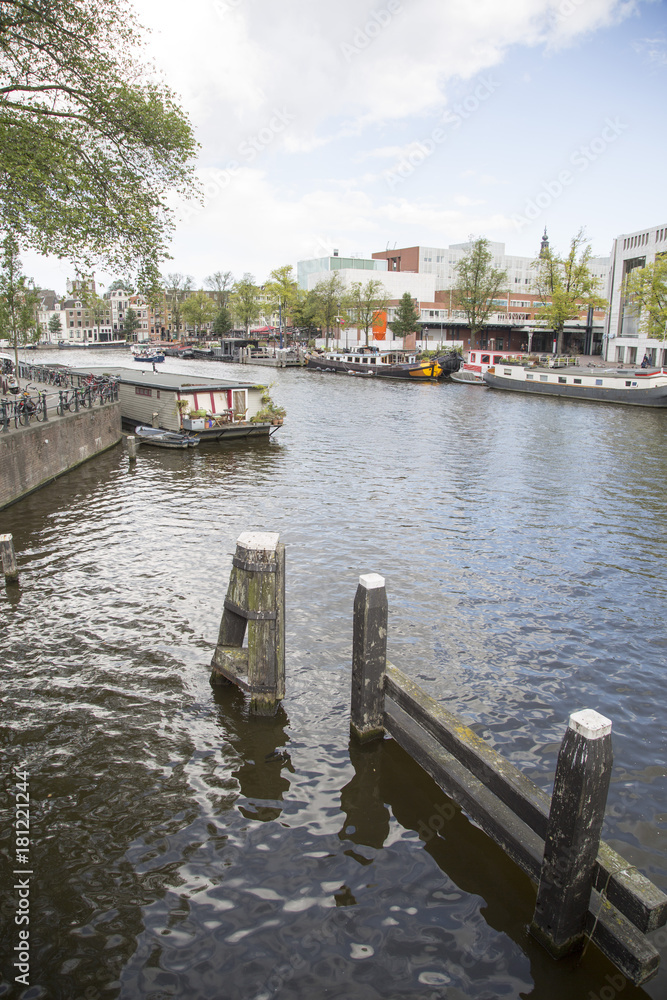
{"x": 180, "y": 848}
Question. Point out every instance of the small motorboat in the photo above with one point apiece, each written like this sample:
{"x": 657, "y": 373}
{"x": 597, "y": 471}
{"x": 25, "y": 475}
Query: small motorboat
{"x": 151, "y": 357}
{"x": 467, "y": 376}
{"x": 165, "y": 439}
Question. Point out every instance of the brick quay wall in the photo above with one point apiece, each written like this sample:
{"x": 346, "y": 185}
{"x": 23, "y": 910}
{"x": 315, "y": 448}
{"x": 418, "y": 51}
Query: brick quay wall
{"x": 33, "y": 456}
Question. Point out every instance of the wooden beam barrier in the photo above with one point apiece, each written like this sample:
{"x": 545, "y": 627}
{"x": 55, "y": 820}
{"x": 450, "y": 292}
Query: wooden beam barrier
{"x": 8, "y": 557}
{"x": 621, "y": 905}
{"x": 255, "y": 603}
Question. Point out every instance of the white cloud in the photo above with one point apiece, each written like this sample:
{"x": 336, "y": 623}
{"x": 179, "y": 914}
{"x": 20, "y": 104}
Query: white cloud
{"x": 234, "y": 61}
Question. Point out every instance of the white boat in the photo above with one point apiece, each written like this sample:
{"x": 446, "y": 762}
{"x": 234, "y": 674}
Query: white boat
{"x": 640, "y": 387}
{"x": 165, "y": 439}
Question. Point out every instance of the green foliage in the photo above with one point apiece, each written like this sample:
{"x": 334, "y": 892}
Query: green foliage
{"x": 19, "y": 299}
{"x": 245, "y": 304}
{"x": 121, "y": 285}
{"x": 407, "y": 317}
{"x": 175, "y": 286}
{"x": 329, "y": 295}
{"x": 130, "y": 324}
{"x": 198, "y": 310}
{"x": 565, "y": 285}
{"x": 477, "y": 284}
{"x": 365, "y": 302}
{"x": 55, "y": 326}
{"x": 283, "y": 293}
{"x": 91, "y": 143}
{"x": 222, "y": 324}
{"x": 306, "y": 312}
{"x": 646, "y": 295}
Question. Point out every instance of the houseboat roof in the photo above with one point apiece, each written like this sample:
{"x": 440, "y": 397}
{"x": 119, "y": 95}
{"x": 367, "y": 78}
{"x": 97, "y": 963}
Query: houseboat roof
{"x": 173, "y": 381}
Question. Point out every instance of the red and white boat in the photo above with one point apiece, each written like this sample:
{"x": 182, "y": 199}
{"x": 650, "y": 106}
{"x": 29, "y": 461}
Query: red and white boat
{"x": 479, "y": 360}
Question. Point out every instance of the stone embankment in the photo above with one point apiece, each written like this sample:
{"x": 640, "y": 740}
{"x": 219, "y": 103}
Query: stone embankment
{"x": 32, "y": 456}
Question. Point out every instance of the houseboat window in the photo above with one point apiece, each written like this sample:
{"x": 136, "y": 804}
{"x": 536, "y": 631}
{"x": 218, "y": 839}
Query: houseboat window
{"x": 577, "y": 381}
{"x": 544, "y": 378}
{"x": 628, "y": 383}
{"x": 373, "y": 360}
{"x": 497, "y": 358}
{"x": 562, "y": 379}
{"x": 598, "y": 381}
{"x": 486, "y": 358}
{"x": 635, "y": 383}
{"x": 507, "y": 371}
{"x": 529, "y": 376}
{"x": 140, "y": 391}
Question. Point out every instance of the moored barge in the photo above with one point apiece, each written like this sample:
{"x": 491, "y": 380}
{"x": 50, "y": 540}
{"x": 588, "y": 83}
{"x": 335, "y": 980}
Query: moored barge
{"x": 641, "y": 387}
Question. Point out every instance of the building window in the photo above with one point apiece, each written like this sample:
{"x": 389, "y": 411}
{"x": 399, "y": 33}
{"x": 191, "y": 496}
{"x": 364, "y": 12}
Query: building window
{"x": 140, "y": 391}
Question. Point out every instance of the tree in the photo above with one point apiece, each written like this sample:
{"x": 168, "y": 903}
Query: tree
{"x": 245, "y": 304}
{"x": 55, "y": 326}
{"x": 221, "y": 283}
{"x": 565, "y": 285}
{"x": 365, "y": 302}
{"x": 130, "y": 324}
{"x": 407, "y": 317}
{"x": 306, "y": 313}
{"x": 646, "y": 295}
{"x": 121, "y": 285}
{"x": 198, "y": 310}
{"x": 222, "y": 324}
{"x": 330, "y": 295}
{"x": 477, "y": 284}
{"x": 18, "y": 299}
{"x": 91, "y": 143}
{"x": 97, "y": 307}
{"x": 175, "y": 286}
{"x": 283, "y": 292}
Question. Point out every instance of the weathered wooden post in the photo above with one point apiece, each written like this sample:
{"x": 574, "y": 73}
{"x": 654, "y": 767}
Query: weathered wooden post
{"x": 256, "y": 601}
{"x": 577, "y": 810}
{"x": 132, "y": 447}
{"x": 369, "y": 657}
{"x": 8, "y": 557}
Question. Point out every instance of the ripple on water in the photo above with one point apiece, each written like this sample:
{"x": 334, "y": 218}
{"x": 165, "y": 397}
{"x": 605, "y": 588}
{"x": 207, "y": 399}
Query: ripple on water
{"x": 182, "y": 848}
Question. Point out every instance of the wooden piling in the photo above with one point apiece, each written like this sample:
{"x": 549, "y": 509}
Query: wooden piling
{"x": 369, "y": 657}
{"x": 255, "y": 602}
{"x": 8, "y": 558}
{"x": 577, "y": 811}
{"x": 132, "y": 447}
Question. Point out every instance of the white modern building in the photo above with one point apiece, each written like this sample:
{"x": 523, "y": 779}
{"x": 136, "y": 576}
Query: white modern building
{"x": 624, "y": 341}
{"x": 441, "y": 263}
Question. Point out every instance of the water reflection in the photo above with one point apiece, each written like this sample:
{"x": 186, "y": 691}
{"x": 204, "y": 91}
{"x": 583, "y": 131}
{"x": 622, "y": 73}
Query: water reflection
{"x": 257, "y": 743}
{"x": 184, "y": 849}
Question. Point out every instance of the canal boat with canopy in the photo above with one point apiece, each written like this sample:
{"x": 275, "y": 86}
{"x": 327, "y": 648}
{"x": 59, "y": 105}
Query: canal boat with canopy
{"x": 369, "y": 361}
{"x": 640, "y": 387}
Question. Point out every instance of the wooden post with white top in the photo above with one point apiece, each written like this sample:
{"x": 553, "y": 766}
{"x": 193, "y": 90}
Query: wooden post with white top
{"x": 369, "y": 657}
{"x": 8, "y": 557}
{"x": 255, "y": 602}
{"x": 583, "y": 772}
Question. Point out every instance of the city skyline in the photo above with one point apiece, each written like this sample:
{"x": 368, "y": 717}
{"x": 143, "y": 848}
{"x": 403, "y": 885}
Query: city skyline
{"x": 362, "y": 129}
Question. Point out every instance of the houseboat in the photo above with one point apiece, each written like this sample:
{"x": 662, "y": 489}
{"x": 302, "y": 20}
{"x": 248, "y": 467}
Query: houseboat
{"x": 369, "y": 361}
{"x": 641, "y": 387}
{"x": 213, "y": 409}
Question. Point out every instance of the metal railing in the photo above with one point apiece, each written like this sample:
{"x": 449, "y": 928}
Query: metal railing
{"x": 74, "y": 392}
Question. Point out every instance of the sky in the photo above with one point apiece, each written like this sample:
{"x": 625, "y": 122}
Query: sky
{"x": 367, "y": 126}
